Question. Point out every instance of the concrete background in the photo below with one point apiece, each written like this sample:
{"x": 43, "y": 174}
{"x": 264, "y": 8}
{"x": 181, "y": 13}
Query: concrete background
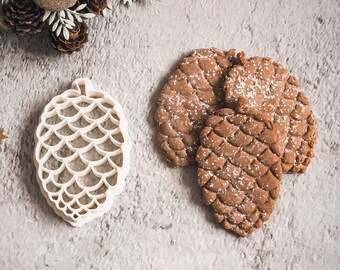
{"x": 159, "y": 222}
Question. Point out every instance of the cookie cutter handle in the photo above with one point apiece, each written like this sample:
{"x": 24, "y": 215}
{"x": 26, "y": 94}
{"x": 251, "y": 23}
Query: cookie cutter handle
{"x": 83, "y": 85}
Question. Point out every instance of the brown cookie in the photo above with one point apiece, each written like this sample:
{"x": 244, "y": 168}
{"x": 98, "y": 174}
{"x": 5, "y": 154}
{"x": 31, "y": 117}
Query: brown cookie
{"x": 269, "y": 87}
{"x": 296, "y": 123}
{"x": 193, "y": 92}
{"x": 239, "y": 168}
{"x": 259, "y": 80}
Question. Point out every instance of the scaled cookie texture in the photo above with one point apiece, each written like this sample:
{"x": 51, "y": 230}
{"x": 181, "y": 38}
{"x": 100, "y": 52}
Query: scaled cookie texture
{"x": 295, "y": 119}
{"x": 259, "y": 80}
{"x": 239, "y": 168}
{"x": 267, "y": 86}
{"x": 192, "y": 93}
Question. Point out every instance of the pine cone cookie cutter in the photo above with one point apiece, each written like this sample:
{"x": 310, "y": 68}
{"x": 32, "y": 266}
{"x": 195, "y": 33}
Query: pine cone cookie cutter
{"x": 82, "y": 153}
{"x": 239, "y": 168}
{"x": 192, "y": 93}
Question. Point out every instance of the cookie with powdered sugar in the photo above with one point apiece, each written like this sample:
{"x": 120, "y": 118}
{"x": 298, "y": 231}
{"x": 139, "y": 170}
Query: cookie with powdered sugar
{"x": 269, "y": 87}
{"x": 239, "y": 167}
{"x": 192, "y": 93}
{"x": 259, "y": 80}
{"x": 295, "y": 120}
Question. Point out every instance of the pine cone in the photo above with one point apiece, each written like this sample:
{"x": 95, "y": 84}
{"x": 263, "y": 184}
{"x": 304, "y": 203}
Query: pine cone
{"x": 23, "y": 17}
{"x": 94, "y": 6}
{"x": 77, "y": 39}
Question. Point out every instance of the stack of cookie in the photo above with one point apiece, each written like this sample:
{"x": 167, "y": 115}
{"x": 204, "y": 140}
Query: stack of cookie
{"x": 245, "y": 122}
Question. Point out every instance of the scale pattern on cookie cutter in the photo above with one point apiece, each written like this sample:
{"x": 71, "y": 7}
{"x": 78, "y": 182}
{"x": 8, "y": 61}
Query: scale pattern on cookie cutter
{"x": 82, "y": 152}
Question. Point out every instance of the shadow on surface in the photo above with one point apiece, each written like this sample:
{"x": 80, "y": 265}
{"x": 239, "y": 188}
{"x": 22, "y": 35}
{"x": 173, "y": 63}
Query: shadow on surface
{"x": 37, "y": 44}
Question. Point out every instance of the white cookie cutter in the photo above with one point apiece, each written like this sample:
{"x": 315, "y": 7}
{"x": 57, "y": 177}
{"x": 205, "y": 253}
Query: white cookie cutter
{"x": 82, "y": 153}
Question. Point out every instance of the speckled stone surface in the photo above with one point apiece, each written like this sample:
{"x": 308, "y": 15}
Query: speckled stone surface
{"x": 159, "y": 221}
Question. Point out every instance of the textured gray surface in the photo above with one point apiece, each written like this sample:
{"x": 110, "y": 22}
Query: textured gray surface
{"x": 159, "y": 221}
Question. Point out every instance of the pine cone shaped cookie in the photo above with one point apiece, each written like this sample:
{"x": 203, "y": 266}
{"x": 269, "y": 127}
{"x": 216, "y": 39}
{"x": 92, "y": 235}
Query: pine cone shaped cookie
{"x": 267, "y": 86}
{"x": 23, "y": 17}
{"x": 82, "y": 152}
{"x": 78, "y": 36}
{"x": 259, "y": 80}
{"x": 193, "y": 92}
{"x": 239, "y": 168}
{"x": 296, "y": 123}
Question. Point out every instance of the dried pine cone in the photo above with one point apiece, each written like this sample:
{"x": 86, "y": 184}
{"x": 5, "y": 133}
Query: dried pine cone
{"x": 94, "y": 6}
{"x": 23, "y": 17}
{"x": 77, "y": 39}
